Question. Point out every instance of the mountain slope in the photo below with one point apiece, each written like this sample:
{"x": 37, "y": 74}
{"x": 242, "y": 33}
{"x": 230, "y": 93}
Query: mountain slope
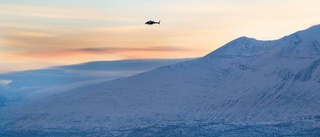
{"x": 79, "y": 72}
{"x": 16, "y": 86}
{"x": 264, "y": 88}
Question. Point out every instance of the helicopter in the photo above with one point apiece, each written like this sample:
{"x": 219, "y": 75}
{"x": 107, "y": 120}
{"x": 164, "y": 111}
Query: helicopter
{"x": 150, "y": 22}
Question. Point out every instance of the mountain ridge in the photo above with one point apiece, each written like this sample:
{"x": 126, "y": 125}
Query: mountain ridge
{"x": 291, "y": 45}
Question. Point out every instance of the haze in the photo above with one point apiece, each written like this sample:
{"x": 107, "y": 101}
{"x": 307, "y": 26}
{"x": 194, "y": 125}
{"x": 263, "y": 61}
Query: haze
{"x": 37, "y": 34}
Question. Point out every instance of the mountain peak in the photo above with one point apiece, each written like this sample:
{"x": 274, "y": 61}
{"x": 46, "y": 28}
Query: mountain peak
{"x": 244, "y": 38}
{"x": 314, "y": 28}
{"x": 304, "y": 43}
{"x": 312, "y": 33}
{"x": 242, "y": 46}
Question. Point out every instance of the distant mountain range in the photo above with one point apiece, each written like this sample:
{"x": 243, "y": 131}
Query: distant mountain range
{"x": 245, "y": 88}
{"x": 62, "y": 78}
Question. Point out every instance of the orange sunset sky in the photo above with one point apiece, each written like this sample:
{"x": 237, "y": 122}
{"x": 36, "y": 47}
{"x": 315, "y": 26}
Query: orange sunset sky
{"x": 42, "y": 33}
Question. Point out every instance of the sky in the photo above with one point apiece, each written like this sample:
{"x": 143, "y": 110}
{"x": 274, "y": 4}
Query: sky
{"x": 42, "y": 33}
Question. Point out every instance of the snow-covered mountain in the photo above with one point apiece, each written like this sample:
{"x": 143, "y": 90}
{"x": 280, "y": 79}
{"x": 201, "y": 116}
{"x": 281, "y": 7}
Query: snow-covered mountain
{"x": 17, "y": 86}
{"x": 247, "y": 87}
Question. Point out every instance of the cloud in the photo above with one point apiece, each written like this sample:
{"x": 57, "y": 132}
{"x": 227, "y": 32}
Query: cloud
{"x": 112, "y": 49}
{"x": 124, "y": 52}
{"x": 13, "y": 10}
{"x": 42, "y": 40}
{"x": 41, "y": 59}
{"x": 4, "y": 82}
{"x": 29, "y": 46}
{"x": 17, "y": 38}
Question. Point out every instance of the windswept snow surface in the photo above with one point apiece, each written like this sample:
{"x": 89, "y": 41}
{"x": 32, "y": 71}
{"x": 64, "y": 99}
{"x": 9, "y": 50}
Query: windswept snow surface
{"x": 245, "y": 88}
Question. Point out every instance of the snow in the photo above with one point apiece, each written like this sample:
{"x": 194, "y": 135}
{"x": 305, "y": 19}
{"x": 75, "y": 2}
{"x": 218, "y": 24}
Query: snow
{"x": 31, "y": 84}
{"x": 247, "y": 87}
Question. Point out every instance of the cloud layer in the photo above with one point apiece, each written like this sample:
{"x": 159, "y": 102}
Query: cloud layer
{"x": 44, "y": 33}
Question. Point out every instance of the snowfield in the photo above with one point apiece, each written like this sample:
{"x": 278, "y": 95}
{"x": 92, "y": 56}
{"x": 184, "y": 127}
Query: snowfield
{"x": 245, "y": 88}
